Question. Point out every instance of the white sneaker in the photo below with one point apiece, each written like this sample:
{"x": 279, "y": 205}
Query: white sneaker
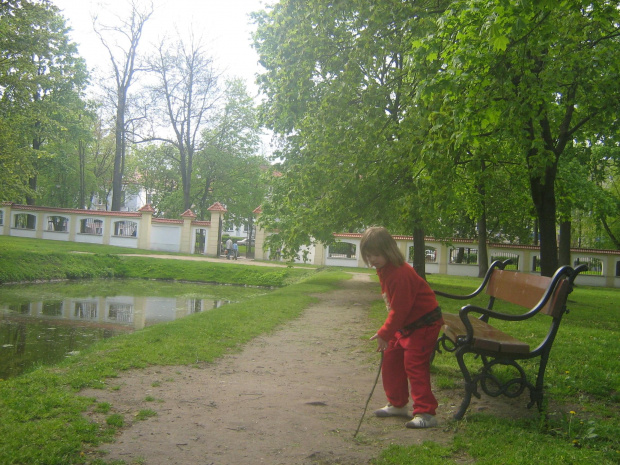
{"x": 390, "y": 411}
{"x": 422, "y": 420}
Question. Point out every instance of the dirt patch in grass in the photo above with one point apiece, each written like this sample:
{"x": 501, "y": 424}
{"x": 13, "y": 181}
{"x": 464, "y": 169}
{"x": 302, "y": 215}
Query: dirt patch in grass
{"x": 291, "y": 397}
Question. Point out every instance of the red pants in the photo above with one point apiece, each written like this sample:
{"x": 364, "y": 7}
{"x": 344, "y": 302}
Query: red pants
{"x": 407, "y": 361}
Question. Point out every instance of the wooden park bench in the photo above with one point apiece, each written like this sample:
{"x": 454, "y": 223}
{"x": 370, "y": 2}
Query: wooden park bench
{"x": 465, "y": 334}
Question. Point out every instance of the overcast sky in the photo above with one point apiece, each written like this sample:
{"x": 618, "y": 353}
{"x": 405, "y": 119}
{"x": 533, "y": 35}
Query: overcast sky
{"x": 224, "y": 26}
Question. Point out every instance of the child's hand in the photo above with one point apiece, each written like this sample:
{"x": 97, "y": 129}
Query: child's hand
{"x": 381, "y": 343}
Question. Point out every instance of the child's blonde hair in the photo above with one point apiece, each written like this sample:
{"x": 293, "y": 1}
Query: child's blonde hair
{"x": 378, "y": 241}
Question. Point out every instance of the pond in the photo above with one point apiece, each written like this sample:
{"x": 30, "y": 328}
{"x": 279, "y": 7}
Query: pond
{"x": 44, "y": 323}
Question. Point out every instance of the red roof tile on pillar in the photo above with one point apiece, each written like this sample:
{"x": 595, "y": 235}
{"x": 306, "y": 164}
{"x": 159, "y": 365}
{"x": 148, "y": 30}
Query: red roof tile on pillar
{"x": 147, "y": 208}
{"x": 258, "y": 210}
{"x": 188, "y": 213}
{"x": 217, "y": 207}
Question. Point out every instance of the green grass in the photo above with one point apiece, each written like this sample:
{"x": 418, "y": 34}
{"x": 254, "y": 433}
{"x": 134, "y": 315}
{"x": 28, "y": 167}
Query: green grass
{"x": 582, "y": 384}
{"x": 27, "y": 260}
{"x": 44, "y": 407}
{"x": 42, "y": 418}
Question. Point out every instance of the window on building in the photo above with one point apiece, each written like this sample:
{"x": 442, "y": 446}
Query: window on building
{"x": 52, "y": 308}
{"x": 430, "y": 254}
{"x": 85, "y": 310}
{"x": 595, "y": 265}
{"x": 514, "y": 259}
{"x": 126, "y": 228}
{"x": 25, "y": 221}
{"x": 464, "y": 256}
{"x": 123, "y": 313}
{"x": 23, "y": 308}
{"x": 342, "y": 250}
{"x": 195, "y": 305}
{"x": 91, "y": 226}
{"x": 199, "y": 245}
{"x": 57, "y": 223}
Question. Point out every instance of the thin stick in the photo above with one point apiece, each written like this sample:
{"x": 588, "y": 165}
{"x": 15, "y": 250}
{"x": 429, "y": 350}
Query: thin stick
{"x": 370, "y": 396}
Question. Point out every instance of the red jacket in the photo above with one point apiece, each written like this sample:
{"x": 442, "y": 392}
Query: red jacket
{"x": 407, "y": 296}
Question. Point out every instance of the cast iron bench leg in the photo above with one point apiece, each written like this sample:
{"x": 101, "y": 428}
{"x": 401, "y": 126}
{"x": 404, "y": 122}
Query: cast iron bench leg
{"x": 536, "y": 394}
{"x": 470, "y": 385}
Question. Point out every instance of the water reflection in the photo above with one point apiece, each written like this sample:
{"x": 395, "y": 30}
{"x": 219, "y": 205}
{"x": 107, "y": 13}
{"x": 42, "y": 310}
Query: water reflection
{"x": 46, "y": 331}
{"x": 134, "y": 312}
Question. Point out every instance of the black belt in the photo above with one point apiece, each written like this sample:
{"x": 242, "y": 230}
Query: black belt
{"x": 426, "y": 320}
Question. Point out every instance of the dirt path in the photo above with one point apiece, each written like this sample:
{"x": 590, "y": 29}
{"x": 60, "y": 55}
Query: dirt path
{"x": 291, "y": 397}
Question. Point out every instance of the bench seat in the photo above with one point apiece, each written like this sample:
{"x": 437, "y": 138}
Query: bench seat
{"x": 486, "y": 337}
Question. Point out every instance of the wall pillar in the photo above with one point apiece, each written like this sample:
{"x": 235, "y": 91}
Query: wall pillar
{"x": 39, "y": 226}
{"x": 320, "y": 253}
{"x": 443, "y": 257}
{"x": 74, "y": 224}
{"x": 212, "y": 247}
{"x": 107, "y": 230}
{"x": 144, "y": 233}
{"x": 609, "y": 270}
{"x": 6, "y": 220}
{"x": 261, "y": 236}
{"x": 186, "y": 232}
{"x": 525, "y": 262}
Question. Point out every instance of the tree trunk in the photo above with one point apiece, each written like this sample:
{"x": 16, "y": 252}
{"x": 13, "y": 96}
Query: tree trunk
{"x": 543, "y": 195}
{"x": 614, "y": 239}
{"x": 32, "y": 182}
{"x": 82, "y": 157}
{"x": 248, "y": 251}
{"x": 419, "y": 251}
{"x": 119, "y": 153}
{"x": 483, "y": 253}
{"x": 565, "y": 241}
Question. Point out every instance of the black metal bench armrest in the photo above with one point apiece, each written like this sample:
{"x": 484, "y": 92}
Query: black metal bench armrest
{"x": 562, "y": 273}
{"x": 496, "y": 264}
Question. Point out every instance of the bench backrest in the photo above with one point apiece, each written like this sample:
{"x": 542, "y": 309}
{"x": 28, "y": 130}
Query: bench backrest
{"x": 526, "y": 290}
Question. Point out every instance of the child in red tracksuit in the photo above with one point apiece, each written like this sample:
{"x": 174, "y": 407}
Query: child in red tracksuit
{"x": 408, "y": 336}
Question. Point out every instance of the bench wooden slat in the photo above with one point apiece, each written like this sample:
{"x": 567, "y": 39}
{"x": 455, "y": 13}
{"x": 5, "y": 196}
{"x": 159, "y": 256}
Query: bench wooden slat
{"x": 558, "y": 300}
{"x": 486, "y": 337}
{"x": 518, "y": 288}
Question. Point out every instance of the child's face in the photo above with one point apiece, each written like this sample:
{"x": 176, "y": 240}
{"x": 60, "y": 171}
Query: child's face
{"x": 377, "y": 261}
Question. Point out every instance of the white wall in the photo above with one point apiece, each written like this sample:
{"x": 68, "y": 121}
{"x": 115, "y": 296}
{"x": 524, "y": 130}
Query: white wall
{"x": 165, "y": 238}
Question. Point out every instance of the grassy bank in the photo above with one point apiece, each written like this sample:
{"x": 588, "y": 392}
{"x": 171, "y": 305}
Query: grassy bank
{"x": 582, "y": 383}
{"x": 29, "y": 260}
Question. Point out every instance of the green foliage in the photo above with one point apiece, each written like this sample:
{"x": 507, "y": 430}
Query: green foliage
{"x": 549, "y": 67}
{"x": 41, "y": 85}
{"x": 337, "y": 93}
{"x": 454, "y": 120}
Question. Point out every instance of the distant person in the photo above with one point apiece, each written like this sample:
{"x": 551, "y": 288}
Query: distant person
{"x": 235, "y": 249}
{"x": 229, "y": 245}
{"x": 408, "y": 336}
